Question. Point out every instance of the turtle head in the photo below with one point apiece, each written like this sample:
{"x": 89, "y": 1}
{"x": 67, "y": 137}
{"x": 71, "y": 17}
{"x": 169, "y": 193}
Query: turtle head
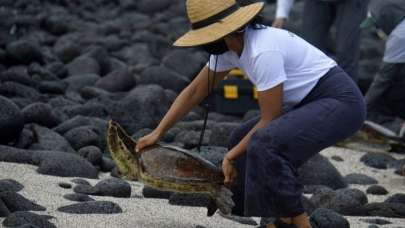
{"x": 122, "y": 149}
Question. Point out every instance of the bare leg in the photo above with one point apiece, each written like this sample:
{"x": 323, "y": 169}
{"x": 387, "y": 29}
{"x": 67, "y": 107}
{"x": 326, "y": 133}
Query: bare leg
{"x": 302, "y": 221}
{"x": 284, "y": 220}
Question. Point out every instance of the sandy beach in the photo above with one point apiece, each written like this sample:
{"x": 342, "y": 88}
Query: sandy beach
{"x": 149, "y": 213}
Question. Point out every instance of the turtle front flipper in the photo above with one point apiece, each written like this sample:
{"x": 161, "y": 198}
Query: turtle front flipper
{"x": 121, "y": 147}
{"x": 223, "y": 201}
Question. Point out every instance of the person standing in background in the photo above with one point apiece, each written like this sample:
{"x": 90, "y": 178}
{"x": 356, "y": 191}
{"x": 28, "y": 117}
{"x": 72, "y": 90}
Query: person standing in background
{"x": 318, "y": 18}
{"x": 386, "y": 95}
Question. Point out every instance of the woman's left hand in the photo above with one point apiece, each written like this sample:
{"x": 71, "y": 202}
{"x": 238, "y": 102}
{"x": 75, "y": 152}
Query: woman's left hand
{"x": 229, "y": 170}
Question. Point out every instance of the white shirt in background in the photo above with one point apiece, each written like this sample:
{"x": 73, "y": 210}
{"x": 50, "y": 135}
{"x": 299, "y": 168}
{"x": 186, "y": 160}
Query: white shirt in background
{"x": 395, "y": 46}
{"x": 284, "y": 8}
{"x": 273, "y": 56}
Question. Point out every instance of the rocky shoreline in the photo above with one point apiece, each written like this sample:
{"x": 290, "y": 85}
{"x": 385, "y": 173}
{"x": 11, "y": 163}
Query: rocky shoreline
{"x": 69, "y": 66}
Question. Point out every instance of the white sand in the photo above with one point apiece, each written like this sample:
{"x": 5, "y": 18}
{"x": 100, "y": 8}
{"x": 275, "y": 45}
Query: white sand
{"x": 148, "y": 213}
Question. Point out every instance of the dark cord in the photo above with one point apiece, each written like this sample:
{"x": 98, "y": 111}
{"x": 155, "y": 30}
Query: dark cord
{"x": 210, "y": 87}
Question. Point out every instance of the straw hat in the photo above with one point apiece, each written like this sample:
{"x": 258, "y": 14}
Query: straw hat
{"x": 212, "y": 20}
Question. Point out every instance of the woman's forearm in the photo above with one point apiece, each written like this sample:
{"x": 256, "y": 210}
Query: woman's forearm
{"x": 190, "y": 97}
{"x": 187, "y": 99}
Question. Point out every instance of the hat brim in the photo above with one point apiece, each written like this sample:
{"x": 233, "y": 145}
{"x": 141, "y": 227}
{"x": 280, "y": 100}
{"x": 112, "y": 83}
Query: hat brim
{"x": 220, "y": 29}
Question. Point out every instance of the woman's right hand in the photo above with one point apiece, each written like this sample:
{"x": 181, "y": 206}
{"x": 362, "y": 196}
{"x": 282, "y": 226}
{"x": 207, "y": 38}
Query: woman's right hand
{"x": 147, "y": 140}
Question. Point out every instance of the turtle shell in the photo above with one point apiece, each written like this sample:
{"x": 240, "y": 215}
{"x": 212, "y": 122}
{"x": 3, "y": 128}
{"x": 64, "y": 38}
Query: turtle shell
{"x": 174, "y": 164}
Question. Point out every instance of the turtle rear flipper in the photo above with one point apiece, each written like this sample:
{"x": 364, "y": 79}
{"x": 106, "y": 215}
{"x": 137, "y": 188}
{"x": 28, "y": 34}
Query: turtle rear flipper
{"x": 223, "y": 201}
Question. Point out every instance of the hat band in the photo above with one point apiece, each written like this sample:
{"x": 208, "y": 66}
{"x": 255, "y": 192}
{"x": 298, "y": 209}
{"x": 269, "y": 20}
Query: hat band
{"x": 215, "y": 18}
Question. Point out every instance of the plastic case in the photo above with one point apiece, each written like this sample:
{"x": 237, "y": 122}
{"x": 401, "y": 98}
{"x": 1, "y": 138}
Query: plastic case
{"x": 235, "y": 95}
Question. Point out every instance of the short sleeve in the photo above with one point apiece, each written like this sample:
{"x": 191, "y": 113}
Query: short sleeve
{"x": 223, "y": 63}
{"x": 268, "y": 70}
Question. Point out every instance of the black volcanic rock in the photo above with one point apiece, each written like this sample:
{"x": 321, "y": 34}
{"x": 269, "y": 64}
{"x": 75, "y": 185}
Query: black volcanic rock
{"x": 24, "y": 52}
{"x": 85, "y": 189}
{"x": 11, "y": 120}
{"x": 362, "y": 179}
{"x": 142, "y": 107}
{"x": 396, "y": 198}
{"x": 377, "y": 160}
{"x": 56, "y": 24}
{"x": 92, "y": 154}
{"x": 220, "y": 133}
{"x": 83, "y": 65}
{"x": 66, "y": 49}
{"x": 319, "y": 171}
{"x": 79, "y": 121}
{"x": 58, "y": 69}
{"x": 79, "y": 81}
{"x": 389, "y": 210}
{"x": 118, "y": 80}
{"x": 41, "y": 114}
{"x": 176, "y": 58}
{"x": 107, "y": 164}
{"x": 17, "y": 74}
{"x": 80, "y": 181}
{"x": 10, "y": 185}
{"x": 82, "y": 136}
{"x": 113, "y": 187}
{"x": 16, "y": 202}
{"x": 101, "y": 55}
{"x": 14, "y": 89}
{"x": 25, "y": 139}
{"x": 344, "y": 201}
{"x": 78, "y": 197}
{"x": 376, "y": 221}
{"x": 47, "y": 139}
{"x": 21, "y": 218}
{"x": 376, "y": 190}
{"x": 50, "y": 162}
{"x": 64, "y": 185}
{"x": 65, "y": 165}
{"x": 149, "y": 7}
{"x": 325, "y": 218}
{"x": 4, "y": 211}
{"x": 90, "y": 92}
{"x": 89, "y": 109}
{"x": 92, "y": 207}
{"x": 28, "y": 225}
{"x": 164, "y": 77}
{"x": 52, "y": 87}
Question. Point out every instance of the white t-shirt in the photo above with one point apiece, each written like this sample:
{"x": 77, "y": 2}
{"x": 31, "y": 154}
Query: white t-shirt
{"x": 284, "y": 8}
{"x": 273, "y": 56}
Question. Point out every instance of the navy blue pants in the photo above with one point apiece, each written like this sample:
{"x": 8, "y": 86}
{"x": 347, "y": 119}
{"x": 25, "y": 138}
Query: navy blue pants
{"x": 268, "y": 185}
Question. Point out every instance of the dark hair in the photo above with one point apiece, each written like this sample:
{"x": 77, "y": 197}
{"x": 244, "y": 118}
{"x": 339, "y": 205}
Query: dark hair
{"x": 257, "y": 22}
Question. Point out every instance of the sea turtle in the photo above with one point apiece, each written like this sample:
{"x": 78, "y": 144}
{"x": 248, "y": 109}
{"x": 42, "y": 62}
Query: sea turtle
{"x": 373, "y": 137}
{"x": 169, "y": 168}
